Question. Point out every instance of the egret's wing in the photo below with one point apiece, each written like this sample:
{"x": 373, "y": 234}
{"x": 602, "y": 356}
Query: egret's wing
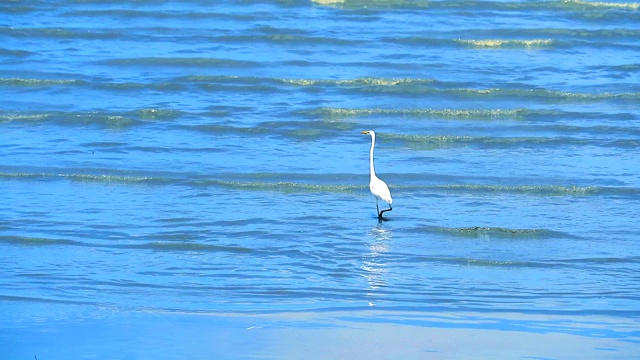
{"x": 380, "y": 189}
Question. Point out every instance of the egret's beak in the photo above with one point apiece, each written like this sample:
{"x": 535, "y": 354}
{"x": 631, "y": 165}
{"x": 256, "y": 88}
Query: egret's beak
{"x": 364, "y": 132}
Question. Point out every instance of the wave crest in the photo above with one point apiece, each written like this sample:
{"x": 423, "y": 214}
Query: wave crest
{"x": 443, "y": 113}
{"x": 497, "y": 43}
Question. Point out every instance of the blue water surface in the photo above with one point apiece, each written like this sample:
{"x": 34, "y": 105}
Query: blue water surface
{"x": 187, "y": 179}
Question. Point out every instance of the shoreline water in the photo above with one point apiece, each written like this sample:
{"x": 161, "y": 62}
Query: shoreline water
{"x": 367, "y": 334}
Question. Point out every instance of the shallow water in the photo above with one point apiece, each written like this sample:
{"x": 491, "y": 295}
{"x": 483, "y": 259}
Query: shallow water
{"x": 200, "y": 166}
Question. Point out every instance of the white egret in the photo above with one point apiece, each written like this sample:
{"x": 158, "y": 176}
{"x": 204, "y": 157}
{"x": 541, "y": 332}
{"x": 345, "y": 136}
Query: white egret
{"x": 379, "y": 188}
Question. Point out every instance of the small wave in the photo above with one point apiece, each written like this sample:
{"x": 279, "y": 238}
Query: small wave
{"x": 498, "y": 263}
{"x": 184, "y": 246}
{"x": 363, "y": 81}
{"x": 625, "y": 67}
{"x": 535, "y": 190}
{"x": 86, "y": 178}
{"x": 558, "y": 263}
{"x": 620, "y": 35}
{"x": 625, "y": 144}
{"x": 430, "y": 142}
{"x": 57, "y": 33}
{"x": 328, "y": 2}
{"x": 181, "y": 62}
{"x": 283, "y": 186}
{"x": 35, "y": 241}
{"x": 157, "y": 114}
{"x": 337, "y": 113}
{"x": 157, "y": 246}
{"x": 482, "y": 5}
{"x": 129, "y": 14}
{"x": 314, "y": 183}
{"x": 377, "y": 4}
{"x": 463, "y": 261}
{"x": 430, "y": 86}
{"x": 497, "y": 232}
{"x": 21, "y": 117}
{"x": 416, "y": 86}
{"x": 604, "y": 260}
{"x": 110, "y": 120}
{"x": 72, "y": 118}
{"x": 218, "y": 78}
{"x": 13, "y": 8}
{"x": 15, "y": 53}
{"x": 252, "y": 80}
{"x": 109, "y": 178}
{"x": 227, "y": 129}
{"x": 535, "y": 264}
{"x": 287, "y": 36}
{"x": 601, "y": 4}
{"x": 161, "y": 86}
{"x": 544, "y": 94}
{"x": 105, "y": 144}
{"x": 400, "y": 86}
{"x": 74, "y": 301}
{"x": 279, "y": 186}
{"x": 312, "y": 130}
{"x": 38, "y": 82}
{"x": 527, "y": 189}
{"x": 496, "y": 43}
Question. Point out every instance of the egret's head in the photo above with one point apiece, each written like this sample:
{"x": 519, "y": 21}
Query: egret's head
{"x": 368, "y": 132}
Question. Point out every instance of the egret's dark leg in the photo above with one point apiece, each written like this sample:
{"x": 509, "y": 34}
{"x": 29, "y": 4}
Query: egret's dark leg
{"x": 378, "y": 209}
{"x": 383, "y": 211}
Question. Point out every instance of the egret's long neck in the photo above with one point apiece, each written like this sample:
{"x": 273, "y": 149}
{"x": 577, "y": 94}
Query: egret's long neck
{"x": 372, "y": 171}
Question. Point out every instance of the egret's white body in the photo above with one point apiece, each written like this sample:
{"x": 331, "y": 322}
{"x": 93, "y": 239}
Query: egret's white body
{"x": 379, "y": 188}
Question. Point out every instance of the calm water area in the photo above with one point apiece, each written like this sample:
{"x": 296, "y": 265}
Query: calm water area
{"x": 188, "y": 180}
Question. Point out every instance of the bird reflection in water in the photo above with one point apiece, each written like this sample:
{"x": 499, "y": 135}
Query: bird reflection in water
{"x": 373, "y": 264}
